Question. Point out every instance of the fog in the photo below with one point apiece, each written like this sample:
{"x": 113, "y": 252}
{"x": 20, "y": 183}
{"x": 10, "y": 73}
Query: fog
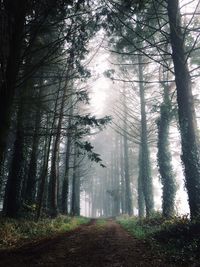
{"x": 102, "y": 191}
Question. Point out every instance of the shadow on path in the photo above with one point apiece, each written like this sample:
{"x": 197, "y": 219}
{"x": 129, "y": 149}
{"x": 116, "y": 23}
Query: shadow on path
{"x": 91, "y": 245}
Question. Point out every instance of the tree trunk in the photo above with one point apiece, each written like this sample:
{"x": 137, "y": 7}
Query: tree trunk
{"x": 186, "y": 111}
{"x": 43, "y": 175}
{"x": 145, "y": 171}
{"x": 32, "y": 171}
{"x": 75, "y": 210}
{"x": 164, "y": 156}
{"x": 15, "y": 11}
{"x": 128, "y": 196}
{"x": 117, "y": 176}
{"x": 141, "y": 203}
{"x": 65, "y": 185}
{"x": 122, "y": 190}
{"x": 12, "y": 198}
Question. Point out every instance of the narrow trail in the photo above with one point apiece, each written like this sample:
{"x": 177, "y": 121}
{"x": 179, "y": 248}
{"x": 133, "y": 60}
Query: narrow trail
{"x": 90, "y": 245}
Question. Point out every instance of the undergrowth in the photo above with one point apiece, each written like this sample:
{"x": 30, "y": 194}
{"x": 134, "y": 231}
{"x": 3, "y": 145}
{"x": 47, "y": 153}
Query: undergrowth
{"x": 14, "y": 232}
{"x": 178, "y": 238}
{"x": 141, "y": 229}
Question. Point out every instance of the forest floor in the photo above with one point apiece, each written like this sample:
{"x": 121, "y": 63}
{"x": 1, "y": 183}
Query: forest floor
{"x": 104, "y": 244}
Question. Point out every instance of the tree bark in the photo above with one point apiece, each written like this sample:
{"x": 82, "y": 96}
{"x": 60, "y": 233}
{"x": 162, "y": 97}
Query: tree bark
{"x": 16, "y": 11}
{"x": 65, "y": 185}
{"x": 145, "y": 171}
{"x": 12, "y": 199}
{"x": 75, "y": 209}
{"x": 186, "y": 111}
{"x": 32, "y": 171}
{"x": 128, "y": 196}
{"x": 164, "y": 156}
{"x": 141, "y": 202}
{"x": 122, "y": 189}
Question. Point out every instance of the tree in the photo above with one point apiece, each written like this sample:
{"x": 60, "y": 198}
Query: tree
{"x": 145, "y": 171}
{"x": 164, "y": 155}
{"x": 186, "y": 111}
{"x": 13, "y": 13}
{"x": 128, "y": 196}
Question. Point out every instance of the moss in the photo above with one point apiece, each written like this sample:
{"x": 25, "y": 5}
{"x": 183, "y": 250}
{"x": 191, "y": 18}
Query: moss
{"x": 164, "y": 157}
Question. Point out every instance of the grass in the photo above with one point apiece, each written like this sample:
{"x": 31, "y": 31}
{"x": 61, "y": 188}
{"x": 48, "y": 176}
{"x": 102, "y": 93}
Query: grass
{"x": 101, "y": 223}
{"x": 141, "y": 229}
{"x": 178, "y": 238}
{"x": 14, "y": 232}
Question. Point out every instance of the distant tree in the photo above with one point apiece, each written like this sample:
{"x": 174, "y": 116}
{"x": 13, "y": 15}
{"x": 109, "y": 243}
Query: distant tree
{"x": 145, "y": 171}
{"x": 128, "y": 195}
{"x": 75, "y": 202}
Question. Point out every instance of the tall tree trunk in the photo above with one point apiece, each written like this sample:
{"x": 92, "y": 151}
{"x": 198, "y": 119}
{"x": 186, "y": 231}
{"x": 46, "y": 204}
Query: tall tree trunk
{"x": 32, "y": 171}
{"x": 53, "y": 179}
{"x": 186, "y": 111}
{"x": 117, "y": 176}
{"x": 128, "y": 196}
{"x": 145, "y": 171}
{"x": 12, "y": 199}
{"x": 123, "y": 209}
{"x": 43, "y": 176}
{"x": 164, "y": 156}
{"x": 65, "y": 185}
{"x": 15, "y": 11}
{"x": 141, "y": 202}
{"x": 111, "y": 178}
{"x": 75, "y": 210}
{"x": 107, "y": 199}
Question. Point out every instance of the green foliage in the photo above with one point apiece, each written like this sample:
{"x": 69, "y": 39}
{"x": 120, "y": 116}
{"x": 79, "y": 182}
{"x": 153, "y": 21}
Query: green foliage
{"x": 14, "y": 232}
{"x": 92, "y": 121}
{"x": 87, "y": 149}
{"x": 141, "y": 228}
{"x": 177, "y": 239}
{"x": 180, "y": 239}
{"x": 82, "y": 127}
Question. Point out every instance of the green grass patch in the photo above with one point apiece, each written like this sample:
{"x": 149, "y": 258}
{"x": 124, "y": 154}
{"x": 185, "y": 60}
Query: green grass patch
{"x": 14, "y": 232}
{"x": 141, "y": 229}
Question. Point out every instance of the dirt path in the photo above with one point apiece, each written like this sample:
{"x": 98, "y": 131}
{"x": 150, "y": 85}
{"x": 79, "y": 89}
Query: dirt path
{"x": 90, "y": 245}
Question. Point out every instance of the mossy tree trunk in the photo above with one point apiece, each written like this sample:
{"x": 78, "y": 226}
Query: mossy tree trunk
{"x": 186, "y": 111}
{"x": 164, "y": 156}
